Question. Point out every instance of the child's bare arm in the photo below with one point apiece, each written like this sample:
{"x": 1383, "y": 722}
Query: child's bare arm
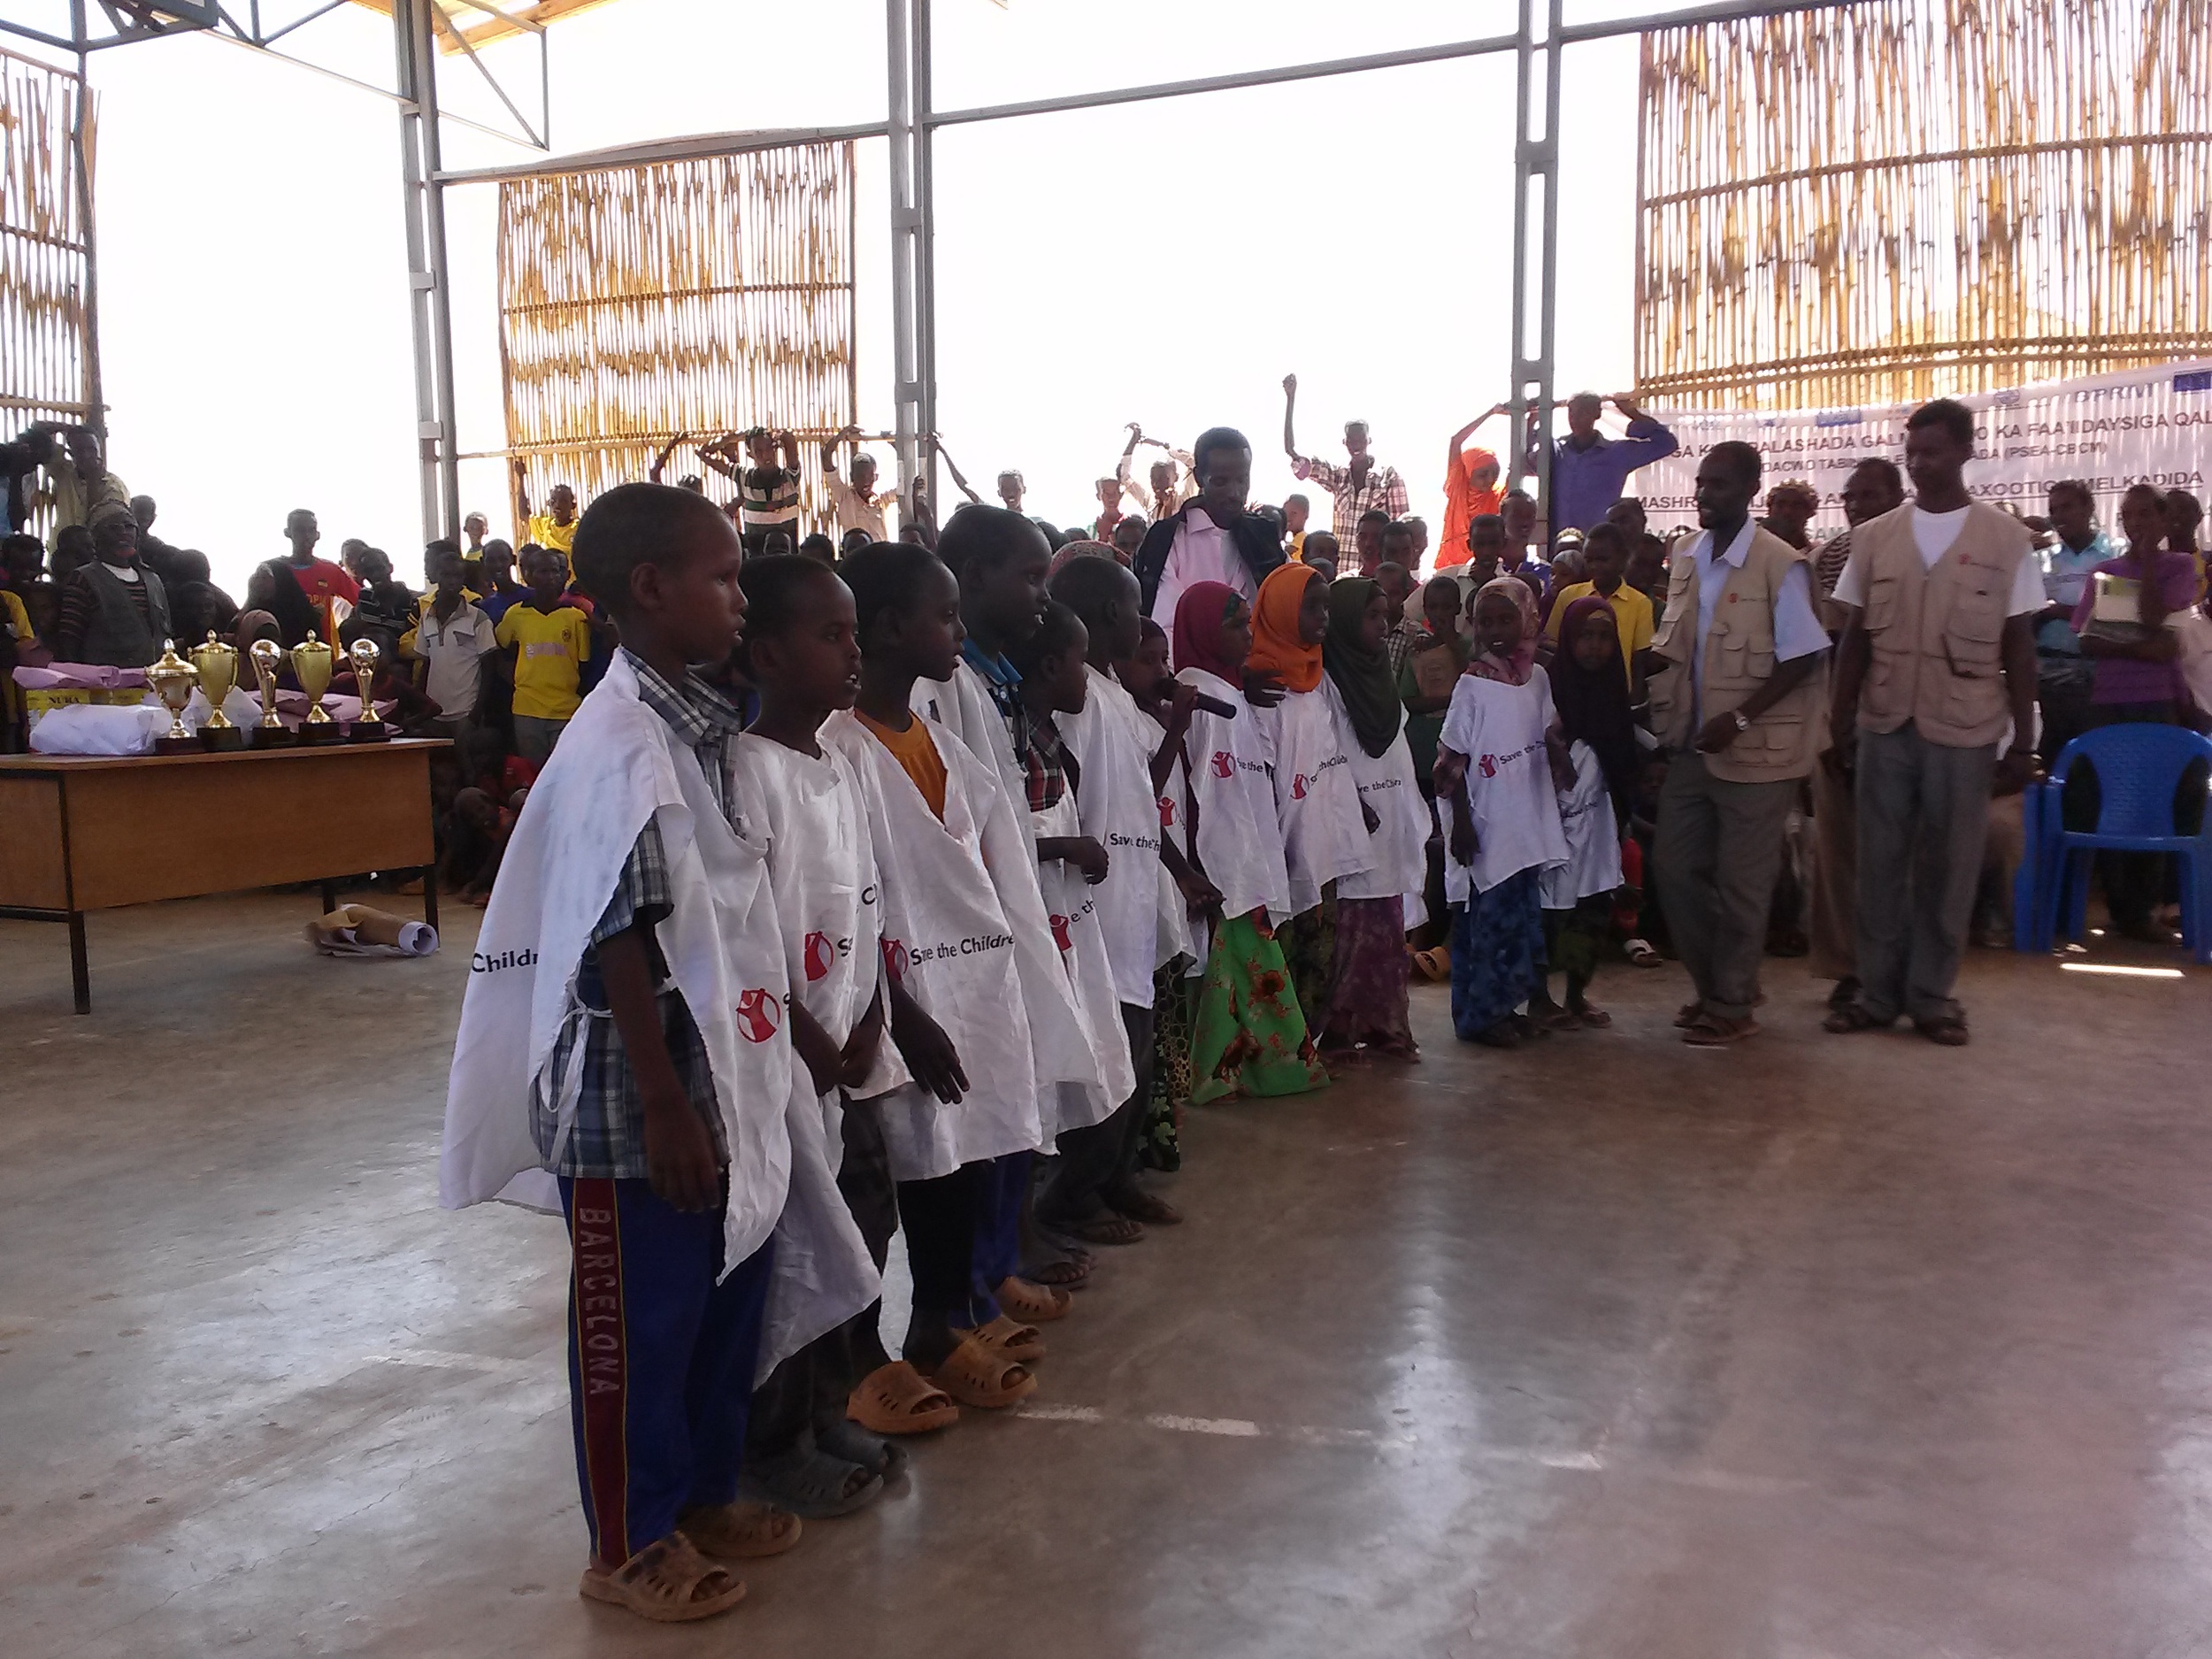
{"x": 825, "y": 1061}
{"x": 679, "y": 1151}
{"x": 928, "y": 1053}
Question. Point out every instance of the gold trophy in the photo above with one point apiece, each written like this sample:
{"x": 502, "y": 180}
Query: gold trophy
{"x": 267, "y": 656}
{"x": 367, "y": 729}
{"x": 312, "y": 663}
{"x": 173, "y": 679}
{"x": 218, "y": 664}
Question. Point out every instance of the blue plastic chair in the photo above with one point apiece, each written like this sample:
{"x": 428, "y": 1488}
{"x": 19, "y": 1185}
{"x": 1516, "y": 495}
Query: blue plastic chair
{"x": 2029, "y": 881}
{"x": 2138, "y": 769}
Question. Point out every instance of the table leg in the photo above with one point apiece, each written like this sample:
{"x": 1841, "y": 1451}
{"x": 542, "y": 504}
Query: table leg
{"x": 79, "y": 969}
{"x": 329, "y": 891}
{"x": 430, "y": 894}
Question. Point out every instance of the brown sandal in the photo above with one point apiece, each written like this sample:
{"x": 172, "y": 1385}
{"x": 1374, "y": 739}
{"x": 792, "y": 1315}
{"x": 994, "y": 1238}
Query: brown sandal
{"x": 1039, "y": 1304}
{"x": 1010, "y": 1338}
{"x": 895, "y": 1399}
{"x": 1713, "y": 1032}
{"x": 1688, "y": 1015}
{"x": 740, "y": 1532}
{"x": 974, "y": 1375}
{"x": 663, "y": 1582}
{"x": 1949, "y": 1031}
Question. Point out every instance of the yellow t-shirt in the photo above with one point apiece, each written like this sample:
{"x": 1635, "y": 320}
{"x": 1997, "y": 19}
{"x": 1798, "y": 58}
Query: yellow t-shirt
{"x": 549, "y": 646}
{"x": 560, "y": 537}
{"x": 19, "y": 620}
{"x": 916, "y": 755}
{"x": 1631, "y": 614}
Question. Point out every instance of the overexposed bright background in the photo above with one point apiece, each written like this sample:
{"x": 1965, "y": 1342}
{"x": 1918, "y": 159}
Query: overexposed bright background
{"x": 1166, "y": 262}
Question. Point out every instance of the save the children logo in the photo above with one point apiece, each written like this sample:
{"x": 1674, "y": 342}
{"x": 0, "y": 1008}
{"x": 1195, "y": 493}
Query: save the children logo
{"x": 1167, "y": 813}
{"x": 1298, "y": 786}
{"x": 1060, "y": 934}
{"x": 758, "y": 1014}
{"x": 1489, "y": 766}
{"x": 821, "y": 955}
{"x": 1223, "y": 767}
{"x": 894, "y": 957}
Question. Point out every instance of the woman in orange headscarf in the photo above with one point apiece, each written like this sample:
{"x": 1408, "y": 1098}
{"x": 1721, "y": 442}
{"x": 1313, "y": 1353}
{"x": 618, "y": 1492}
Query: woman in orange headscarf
{"x": 1471, "y": 488}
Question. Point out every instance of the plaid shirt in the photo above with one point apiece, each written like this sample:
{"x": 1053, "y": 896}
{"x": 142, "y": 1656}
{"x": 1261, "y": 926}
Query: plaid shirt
{"x": 607, "y": 1140}
{"x": 1382, "y": 490}
{"x": 1401, "y": 641}
{"x": 1002, "y": 684}
{"x": 1045, "y": 766}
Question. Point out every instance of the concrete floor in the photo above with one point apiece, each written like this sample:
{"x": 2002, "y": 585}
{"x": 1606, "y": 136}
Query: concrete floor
{"x": 1844, "y": 1348}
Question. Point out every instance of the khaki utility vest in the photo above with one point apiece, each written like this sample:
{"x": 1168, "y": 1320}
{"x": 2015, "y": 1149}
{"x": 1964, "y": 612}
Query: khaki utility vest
{"x": 1938, "y": 633}
{"x": 1739, "y": 657}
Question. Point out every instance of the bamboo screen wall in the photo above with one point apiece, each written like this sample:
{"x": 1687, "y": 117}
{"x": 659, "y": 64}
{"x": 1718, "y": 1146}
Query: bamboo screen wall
{"x": 695, "y": 297}
{"x": 1895, "y": 200}
{"x": 47, "y": 366}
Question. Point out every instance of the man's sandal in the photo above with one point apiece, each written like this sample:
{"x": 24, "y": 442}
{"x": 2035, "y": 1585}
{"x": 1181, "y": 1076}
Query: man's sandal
{"x": 1947, "y": 1030}
{"x": 740, "y": 1532}
{"x": 668, "y": 1581}
{"x": 1849, "y": 1017}
{"x": 1010, "y": 1338}
{"x": 1593, "y": 1016}
{"x": 813, "y": 1485}
{"x": 1106, "y": 1227}
{"x": 887, "y": 1460}
{"x": 896, "y": 1399}
{"x": 974, "y": 1375}
{"x": 1688, "y": 1015}
{"x": 1139, "y": 1205}
{"x": 1712, "y": 1031}
{"x": 1039, "y": 1304}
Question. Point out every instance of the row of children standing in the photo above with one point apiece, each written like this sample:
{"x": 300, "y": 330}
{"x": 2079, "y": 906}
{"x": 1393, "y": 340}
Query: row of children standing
{"x": 754, "y": 993}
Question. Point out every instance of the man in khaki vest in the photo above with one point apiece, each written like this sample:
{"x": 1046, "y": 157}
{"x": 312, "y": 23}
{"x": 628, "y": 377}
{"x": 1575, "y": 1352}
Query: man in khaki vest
{"x": 1735, "y": 703}
{"x": 1937, "y": 665}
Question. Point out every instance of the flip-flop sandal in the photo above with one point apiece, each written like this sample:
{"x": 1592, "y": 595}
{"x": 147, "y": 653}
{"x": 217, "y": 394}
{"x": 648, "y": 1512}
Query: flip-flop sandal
{"x": 1104, "y": 1228}
{"x": 668, "y": 1582}
{"x": 887, "y": 1460}
{"x": 1688, "y": 1015}
{"x": 1039, "y": 1304}
{"x": 740, "y": 1532}
{"x": 1849, "y": 1017}
{"x": 976, "y": 1377}
{"x": 1008, "y": 1337}
{"x": 1558, "y": 1020}
{"x": 1528, "y": 1027}
{"x": 1642, "y": 954}
{"x": 1593, "y": 1017}
{"x": 896, "y": 1399}
{"x": 1847, "y": 991}
{"x": 815, "y": 1486}
{"x": 1435, "y": 965}
{"x": 1949, "y": 1032}
{"x": 1713, "y": 1032}
{"x": 1139, "y": 1205}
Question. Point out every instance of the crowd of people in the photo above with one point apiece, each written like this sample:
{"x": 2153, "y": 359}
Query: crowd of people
{"x": 921, "y": 885}
{"x": 845, "y": 884}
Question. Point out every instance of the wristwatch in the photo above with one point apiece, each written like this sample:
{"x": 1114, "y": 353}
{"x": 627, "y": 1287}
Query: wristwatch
{"x": 1742, "y": 725}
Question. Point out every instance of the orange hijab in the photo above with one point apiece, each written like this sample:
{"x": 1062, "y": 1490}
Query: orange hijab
{"x": 1275, "y": 641}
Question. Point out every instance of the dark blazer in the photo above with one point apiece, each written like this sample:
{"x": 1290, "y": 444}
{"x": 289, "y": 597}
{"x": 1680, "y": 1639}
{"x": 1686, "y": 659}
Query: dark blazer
{"x": 1254, "y": 537}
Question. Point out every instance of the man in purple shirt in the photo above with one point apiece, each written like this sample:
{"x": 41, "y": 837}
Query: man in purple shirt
{"x": 1589, "y": 471}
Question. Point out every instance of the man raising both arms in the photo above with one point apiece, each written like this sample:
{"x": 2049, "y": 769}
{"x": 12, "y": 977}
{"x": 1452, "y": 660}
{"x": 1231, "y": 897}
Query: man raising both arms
{"x": 1361, "y": 485}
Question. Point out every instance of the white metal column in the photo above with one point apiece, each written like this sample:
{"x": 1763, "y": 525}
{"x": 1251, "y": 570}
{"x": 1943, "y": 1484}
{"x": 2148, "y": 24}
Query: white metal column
{"x": 1536, "y": 192}
{"x": 429, "y": 303}
{"x": 906, "y": 240}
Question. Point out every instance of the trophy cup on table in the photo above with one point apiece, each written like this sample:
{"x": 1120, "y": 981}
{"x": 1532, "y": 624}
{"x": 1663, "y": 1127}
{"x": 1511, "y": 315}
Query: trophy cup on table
{"x": 311, "y": 661}
{"x": 367, "y": 729}
{"x": 266, "y": 656}
{"x": 173, "y": 679}
{"x": 217, "y": 666}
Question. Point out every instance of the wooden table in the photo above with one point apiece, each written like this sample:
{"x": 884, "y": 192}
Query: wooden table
{"x": 81, "y": 833}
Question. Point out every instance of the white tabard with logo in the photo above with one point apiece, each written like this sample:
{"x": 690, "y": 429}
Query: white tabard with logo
{"x": 1173, "y": 923}
{"x": 822, "y": 870}
{"x": 618, "y": 766}
{"x": 1238, "y": 845}
{"x": 1316, "y": 807}
{"x": 1073, "y": 913}
{"x": 1116, "y": 807}
{"x": 1593, "y": 839}
{"x": 1397, "y": 850}
{"x": 965, "y": 931}
{"x": 1500, "y": 729}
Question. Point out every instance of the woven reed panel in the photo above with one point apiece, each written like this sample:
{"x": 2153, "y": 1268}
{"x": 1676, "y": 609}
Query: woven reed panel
{"x": 45, "y": 352}
{"x": 1899, "y": 199}
{"x": 690, "y": 296}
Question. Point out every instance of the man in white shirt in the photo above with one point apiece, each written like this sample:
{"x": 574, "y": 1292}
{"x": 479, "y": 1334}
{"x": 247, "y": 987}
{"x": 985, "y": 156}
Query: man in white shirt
{"x": 450, "y": 639}
{"x": 855, "y": 504}
{"x": 1734, "y": 702}
{"x": 1211, "y": 538}
{"x": 1942, "y": 595}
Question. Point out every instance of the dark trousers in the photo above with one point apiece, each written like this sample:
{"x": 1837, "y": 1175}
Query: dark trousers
{"x": 804, "y": 1397}
{"x": 660, "y": 1360}
{"x": 1001, "y": 1187}
{"x": 1103, "y": 1158}
{"x": 1719, "y": 848}
{"x": 1924, "y": 822}
{"x": 939, "y": 1219}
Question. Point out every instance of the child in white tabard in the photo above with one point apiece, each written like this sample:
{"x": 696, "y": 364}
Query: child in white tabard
{"x": 1497, "y": 775}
